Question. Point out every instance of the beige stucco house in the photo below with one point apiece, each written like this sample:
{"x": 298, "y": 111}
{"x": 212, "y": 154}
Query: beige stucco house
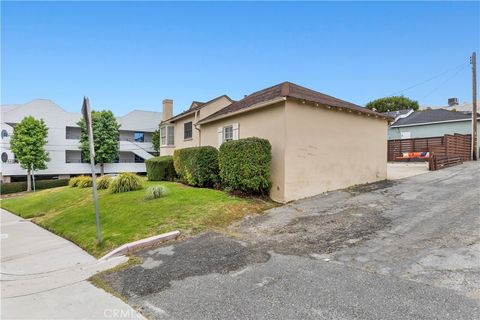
{"x": 319, "y": 143}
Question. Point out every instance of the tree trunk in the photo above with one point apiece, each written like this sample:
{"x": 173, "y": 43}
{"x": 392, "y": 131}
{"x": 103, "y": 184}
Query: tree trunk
{"x": 102, "y": 169}
{"x": 29, "y": 180}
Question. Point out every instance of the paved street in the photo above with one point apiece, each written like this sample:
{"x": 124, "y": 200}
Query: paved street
{"x": 43, "y": 276}
{"x": 407, "y": 249}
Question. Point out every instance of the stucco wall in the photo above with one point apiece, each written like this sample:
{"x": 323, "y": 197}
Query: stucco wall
{"x": 327, "y": 150}
{"x": 265, "y": 123}
{"x": 180, "y": 142}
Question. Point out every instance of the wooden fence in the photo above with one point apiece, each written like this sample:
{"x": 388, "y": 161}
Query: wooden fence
{"x": 397, "y": 147}
{"x": 444, "y": 151}
{"x": 454, "y": 150}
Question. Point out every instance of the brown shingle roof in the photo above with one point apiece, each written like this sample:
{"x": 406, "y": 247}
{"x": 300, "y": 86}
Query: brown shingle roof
{"x": 289, "y": 90}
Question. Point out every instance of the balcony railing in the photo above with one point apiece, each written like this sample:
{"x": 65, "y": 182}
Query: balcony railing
{"x": 73, "y": 161}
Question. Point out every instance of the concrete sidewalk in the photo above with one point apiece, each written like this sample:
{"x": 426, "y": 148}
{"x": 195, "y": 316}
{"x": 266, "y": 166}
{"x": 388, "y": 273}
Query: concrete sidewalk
{"x": 43, "y": 276}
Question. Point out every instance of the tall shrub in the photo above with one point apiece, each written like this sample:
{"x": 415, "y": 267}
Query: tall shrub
{"x": 245, "y": 165}
{"x": 160, "y": 169}
{"x": 197, "y": 166}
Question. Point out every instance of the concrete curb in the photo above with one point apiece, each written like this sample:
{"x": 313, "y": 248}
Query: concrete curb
{"x": 141, "y": 244}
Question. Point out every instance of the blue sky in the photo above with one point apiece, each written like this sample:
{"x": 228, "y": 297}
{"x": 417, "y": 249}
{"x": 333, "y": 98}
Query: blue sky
{"x": 126, "y": 55}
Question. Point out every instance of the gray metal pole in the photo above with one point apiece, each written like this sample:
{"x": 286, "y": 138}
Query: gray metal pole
{"x": 88, "y": 122}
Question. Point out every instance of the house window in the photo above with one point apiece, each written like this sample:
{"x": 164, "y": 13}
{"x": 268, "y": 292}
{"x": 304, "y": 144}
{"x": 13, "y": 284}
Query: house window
{"x": 170, "y": 135}
{"x": 167, "y": 136}
{"x": 163, "y": 136}
{"x": 187, "y": 130}
{"x": 139, "y": 136}
{"x": 4, "y": 133}
{"x": 228, "y": 133}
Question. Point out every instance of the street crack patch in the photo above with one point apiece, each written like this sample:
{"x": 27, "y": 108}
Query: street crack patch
{"x": 202, "y": 255}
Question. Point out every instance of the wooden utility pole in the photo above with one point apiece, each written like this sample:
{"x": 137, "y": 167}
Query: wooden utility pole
{"x": 473, "y": 61}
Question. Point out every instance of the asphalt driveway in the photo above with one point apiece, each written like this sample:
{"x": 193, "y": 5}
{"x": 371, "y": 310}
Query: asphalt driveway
{"x": 408, "y": 249}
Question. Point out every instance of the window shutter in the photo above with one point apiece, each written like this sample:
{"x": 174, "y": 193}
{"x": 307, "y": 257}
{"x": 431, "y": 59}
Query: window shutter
{"x": 220, "y": 136}
{"x": 235, "y": 131}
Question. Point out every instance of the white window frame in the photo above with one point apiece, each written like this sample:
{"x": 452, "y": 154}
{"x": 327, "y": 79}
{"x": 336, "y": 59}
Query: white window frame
{"x": 225, "y": 138}
{"x": 165, "y": 136}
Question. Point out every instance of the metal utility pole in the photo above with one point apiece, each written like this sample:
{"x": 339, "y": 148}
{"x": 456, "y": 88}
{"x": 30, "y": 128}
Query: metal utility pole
{"x": 473, "y": 61}
{"x": 88, "y": 121}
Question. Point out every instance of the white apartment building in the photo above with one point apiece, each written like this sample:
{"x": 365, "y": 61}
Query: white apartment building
{"x": 136, "y": 129}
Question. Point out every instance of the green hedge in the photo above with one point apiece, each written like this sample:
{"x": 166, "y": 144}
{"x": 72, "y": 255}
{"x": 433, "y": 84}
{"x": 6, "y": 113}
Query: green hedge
{"x": 160, "y": 169}
{"x": 245, "y": 165}
{"x": 13, "y": 187}
{"x": 197, "y": 166}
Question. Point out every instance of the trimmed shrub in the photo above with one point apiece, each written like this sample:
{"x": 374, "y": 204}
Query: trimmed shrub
{"x": 73, "y": 182}
{"x": 13, "y": 187}
{"x": 160, "y": 169}
{"x": 155, "y": 192}
{"x": 245, "y": 165}
{"x": 125, "y": 182}
{"x": 47, "y": 184}
{"x": 84, "y": 182}
{"x": 103, "y": 182}
{"x": 197, "y": 166}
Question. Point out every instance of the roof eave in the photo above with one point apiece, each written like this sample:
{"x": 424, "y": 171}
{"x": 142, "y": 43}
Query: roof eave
{"x": 252, "y": 107}
{"x": 432, "y": 122}
{"x": 279, "y": 99}
{"x": 358, "y": 109}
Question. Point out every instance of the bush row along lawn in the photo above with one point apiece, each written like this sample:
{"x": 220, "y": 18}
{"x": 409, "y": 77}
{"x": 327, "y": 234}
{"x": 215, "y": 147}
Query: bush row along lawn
{"x": 125, "y": 217}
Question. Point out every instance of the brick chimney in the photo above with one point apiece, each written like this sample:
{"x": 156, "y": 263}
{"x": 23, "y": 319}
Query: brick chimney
{"x": 167, "y": 111}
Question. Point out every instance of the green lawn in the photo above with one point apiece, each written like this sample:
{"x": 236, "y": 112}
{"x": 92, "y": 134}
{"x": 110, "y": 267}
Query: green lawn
{"x": 126, "y": 217}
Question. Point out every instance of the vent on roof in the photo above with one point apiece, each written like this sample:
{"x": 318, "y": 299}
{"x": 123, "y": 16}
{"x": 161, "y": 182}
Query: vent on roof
{"x": 452, "y": 102}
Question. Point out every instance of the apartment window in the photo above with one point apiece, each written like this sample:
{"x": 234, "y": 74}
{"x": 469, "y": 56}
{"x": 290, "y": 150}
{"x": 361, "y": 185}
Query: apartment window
{"x": 187, "y": 130}
{"x": 167, "y": 136}
{"x": 139, "y": 136}
{"x": 227, "y": 133}
{"x": 139, "y": 159}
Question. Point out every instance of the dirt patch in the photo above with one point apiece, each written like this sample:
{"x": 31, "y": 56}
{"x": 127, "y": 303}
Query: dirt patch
{"x": 324, "y": 233}
{"x": 369, "y": 187}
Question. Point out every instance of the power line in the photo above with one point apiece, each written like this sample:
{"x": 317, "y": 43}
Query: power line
{"x": 444, "y": 82}
{"x": 429, "y": 79}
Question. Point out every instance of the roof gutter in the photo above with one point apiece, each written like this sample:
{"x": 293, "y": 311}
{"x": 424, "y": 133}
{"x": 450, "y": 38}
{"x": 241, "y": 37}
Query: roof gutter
{"x": 253, "y": 107}
{"x": 433, "y": 122}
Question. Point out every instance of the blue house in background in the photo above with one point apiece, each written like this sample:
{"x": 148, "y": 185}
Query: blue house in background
{"x": 429, "y": 123}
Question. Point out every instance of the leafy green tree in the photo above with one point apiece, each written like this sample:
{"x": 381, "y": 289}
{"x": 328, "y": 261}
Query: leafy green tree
{"x": 392, "y": 104}
{"x": 28, "y": 145}
{"x": 156, "y": 140}
{"x": 105, "y": 138}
